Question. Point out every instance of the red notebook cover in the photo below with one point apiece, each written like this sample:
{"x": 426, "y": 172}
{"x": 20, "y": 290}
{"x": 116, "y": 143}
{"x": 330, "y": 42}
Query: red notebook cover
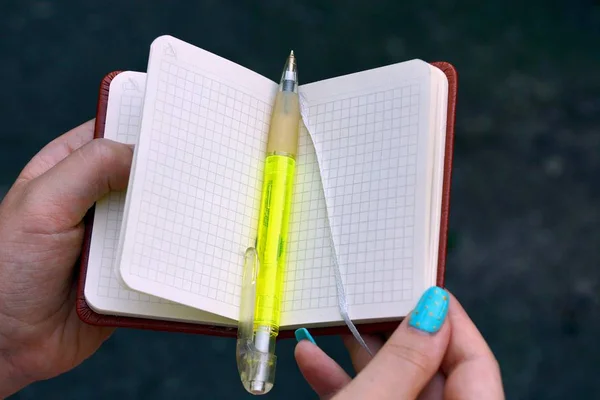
{"x": 89, "y": 316}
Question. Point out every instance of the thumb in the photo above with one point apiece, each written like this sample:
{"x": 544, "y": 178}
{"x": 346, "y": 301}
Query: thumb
{"x": 65, "y": 192}
{"x": 411, "y": 357}
{"x": 321, "y": 372}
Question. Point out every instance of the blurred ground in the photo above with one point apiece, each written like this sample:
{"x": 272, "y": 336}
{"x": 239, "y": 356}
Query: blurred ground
{"x": 525, "y": 209}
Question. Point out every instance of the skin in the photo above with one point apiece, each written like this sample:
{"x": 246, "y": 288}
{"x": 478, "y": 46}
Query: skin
{"x": 454, "y": 363}
{"x": 41, "y": 336}
{"x": 41, "y": 236}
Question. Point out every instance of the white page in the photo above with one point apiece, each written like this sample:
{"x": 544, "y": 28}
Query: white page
{"x": 439, "y": 114}
{"x": 191, "y": 217}
{"x": 103, "y": 291}
{"x": 371, "y": 135}
{"x": 310, "y": 296}
{"x": 310, "y": 284}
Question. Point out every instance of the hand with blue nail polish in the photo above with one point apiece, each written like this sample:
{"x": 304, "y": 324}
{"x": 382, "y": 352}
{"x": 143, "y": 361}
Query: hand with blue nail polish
{"x": 435, "y": 353}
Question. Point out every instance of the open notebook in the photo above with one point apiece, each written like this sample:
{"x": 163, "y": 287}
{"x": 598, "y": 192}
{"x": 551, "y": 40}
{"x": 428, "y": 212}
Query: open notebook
{"x": 171, "y": 248}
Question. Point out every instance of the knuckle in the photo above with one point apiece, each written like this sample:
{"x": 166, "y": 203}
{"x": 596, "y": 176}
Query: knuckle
{"x": 99, "y": 151}
{"x": 36, "y": 212}
{"x": 414, "y": 356}
{"x": 26, "y": 201}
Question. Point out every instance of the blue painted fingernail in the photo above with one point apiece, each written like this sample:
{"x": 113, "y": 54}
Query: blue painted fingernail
{"x": 431, "y": 310}
{"x": 303, "y": 334}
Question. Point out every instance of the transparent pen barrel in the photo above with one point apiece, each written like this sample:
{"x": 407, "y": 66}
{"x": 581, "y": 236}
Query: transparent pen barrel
{"x": 271, "y": 246}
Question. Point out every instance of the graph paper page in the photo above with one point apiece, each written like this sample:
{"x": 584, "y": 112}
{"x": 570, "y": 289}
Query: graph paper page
{"x": 370, "y": 132}
{"x": 104, "y": 293}
{"x": 194, "y": 189}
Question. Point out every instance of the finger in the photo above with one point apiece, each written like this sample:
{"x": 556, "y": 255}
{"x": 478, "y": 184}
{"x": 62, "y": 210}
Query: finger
{"x": 471, "y": 369}
{"x": 359, "y": 356}
{"x": 57, "y": 150}
{"x": 434, "y": 389}
{"x": 321, "y": 372}
{"x": 64, "y": 193}
{"x": 411, "y": 357}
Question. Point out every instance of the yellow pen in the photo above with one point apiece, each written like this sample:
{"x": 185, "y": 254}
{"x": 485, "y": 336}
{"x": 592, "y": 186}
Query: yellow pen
{"x": 264, "y": 265}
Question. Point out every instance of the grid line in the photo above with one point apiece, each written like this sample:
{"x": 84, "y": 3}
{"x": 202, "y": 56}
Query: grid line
{"x": 368, "y": 150}
{"x": 108, "y": 285}
{"x": 182, "y": 243}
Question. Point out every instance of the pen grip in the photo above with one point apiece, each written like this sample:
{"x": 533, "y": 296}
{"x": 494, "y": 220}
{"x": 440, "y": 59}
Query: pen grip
{"x": 285, "y": 121}
{"x": 273, "y": 226}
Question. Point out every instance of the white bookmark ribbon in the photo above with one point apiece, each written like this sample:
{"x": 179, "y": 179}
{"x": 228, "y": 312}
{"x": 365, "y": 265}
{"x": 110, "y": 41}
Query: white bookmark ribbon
{"x": 341, "y": 293}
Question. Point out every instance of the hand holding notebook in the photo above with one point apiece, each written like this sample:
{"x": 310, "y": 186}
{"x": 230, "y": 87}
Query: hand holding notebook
{"x": 41, "y": 232}
{"x": 168, "y": 253}
{"x": 390, "y": 222}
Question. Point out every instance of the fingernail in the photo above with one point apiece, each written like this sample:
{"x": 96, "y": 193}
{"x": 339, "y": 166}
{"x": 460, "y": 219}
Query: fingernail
{"x": 431, "y": 310}
{"x": 303, "y": 334}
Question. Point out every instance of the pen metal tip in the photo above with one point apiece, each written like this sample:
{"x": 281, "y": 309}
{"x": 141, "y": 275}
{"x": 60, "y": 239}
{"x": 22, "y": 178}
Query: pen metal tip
{"x": 290, "y": 64}
{"x": 289, "y": 78}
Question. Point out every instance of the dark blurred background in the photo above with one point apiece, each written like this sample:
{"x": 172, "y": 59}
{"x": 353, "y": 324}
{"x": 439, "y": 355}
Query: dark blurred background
{"x": 525, "y": 219}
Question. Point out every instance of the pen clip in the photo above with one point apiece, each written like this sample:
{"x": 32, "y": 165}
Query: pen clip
{"x": 255, "y": 366}
{"x": 248, "y": 295}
